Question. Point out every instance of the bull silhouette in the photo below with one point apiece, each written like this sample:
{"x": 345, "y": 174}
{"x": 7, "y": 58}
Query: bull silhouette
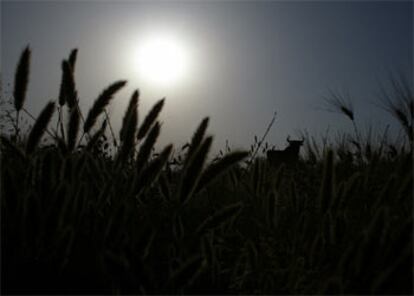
{"x": 287, "y": 156}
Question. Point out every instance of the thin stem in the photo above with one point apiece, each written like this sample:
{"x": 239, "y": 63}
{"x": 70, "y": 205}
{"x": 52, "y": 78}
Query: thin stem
{"x": 262, "y": 139}
{"x": 265, "y": 134}
{"x": 34, "y": 119}
{"x": 357, "y": 138}
{"x": 29, "y": 114}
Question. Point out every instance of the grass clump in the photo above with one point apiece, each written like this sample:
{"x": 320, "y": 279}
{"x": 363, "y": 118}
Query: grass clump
{"x": 79, "y": 219}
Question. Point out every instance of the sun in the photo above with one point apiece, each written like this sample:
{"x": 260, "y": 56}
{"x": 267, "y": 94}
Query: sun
{"x": 162, "y": 60}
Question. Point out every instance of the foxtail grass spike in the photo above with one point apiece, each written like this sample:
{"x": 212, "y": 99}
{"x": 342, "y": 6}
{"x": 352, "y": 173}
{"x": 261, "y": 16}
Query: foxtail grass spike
{"x": 145, "y": 150}
{"x": 153, "y": 170}
{"x": 100, "y": 103}
{"x": 193, "y": 171}
{"x": 128, "y": 141}
{"x": 150, "y": 119}
{"x": 72, "y": 59}
{"x": 340, "y": 102}
{"x": 219, "y": 167}
{"x": 197, "y": 138}
{"x": 133, "y": 104}
{"x": 39, "y": 127}
{"x": 67, "y": 92}
{"x": 62, "y": 90}
{"x": 21, "y": 79}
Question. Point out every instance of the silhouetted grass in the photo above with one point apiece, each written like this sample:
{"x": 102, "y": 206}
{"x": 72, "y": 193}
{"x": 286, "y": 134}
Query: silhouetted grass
{"x": 80, "y": 219}
{"x": 21, "y": 79}
{"x": 150, "y": 119}
{"x": 100, "y": 103}
{"x": 39, "y": 127}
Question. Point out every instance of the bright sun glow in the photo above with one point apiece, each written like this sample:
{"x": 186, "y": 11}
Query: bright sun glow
{"x": 162, "y": 60}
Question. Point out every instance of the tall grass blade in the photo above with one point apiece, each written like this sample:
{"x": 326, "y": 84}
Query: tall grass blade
{"x": 186, "y": 273}
{"x": 218, "y": 218}
{"x": 326, "y": 193}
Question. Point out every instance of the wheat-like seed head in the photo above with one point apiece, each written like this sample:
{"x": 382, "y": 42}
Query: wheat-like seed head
{"x": 21, "y": 79}
{"x": 219, "y": 167}
{"x": 150, "y": 119}
{"x": 128, "y": 139}
{"x": 72, "y": 59}
{"x": 197, "y": 139}
{"x": 67, "y": 92}
{"x": 39, "y": 127}
{"x": 193, "y": 171}
{"x": 340, "y": 102}
{"x": 132, "y": 108}
{"x": 100, "y": 103}
{"x": 145, "y": 150}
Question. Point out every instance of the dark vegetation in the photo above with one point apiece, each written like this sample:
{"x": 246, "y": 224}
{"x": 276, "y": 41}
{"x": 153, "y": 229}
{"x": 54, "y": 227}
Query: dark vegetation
{"x": 77, "y": 218}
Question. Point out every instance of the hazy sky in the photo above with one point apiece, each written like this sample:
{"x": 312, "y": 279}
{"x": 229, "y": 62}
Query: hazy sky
{"x": 248, "y": 59}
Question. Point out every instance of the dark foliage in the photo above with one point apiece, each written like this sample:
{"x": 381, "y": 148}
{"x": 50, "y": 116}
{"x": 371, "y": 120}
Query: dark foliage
{"x": 87, "y": 221}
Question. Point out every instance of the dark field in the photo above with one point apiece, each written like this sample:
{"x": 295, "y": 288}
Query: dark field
{"x": 80, "y": 217}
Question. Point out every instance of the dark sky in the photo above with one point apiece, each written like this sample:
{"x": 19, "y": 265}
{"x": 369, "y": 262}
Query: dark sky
{"x": 249, "y": 59}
